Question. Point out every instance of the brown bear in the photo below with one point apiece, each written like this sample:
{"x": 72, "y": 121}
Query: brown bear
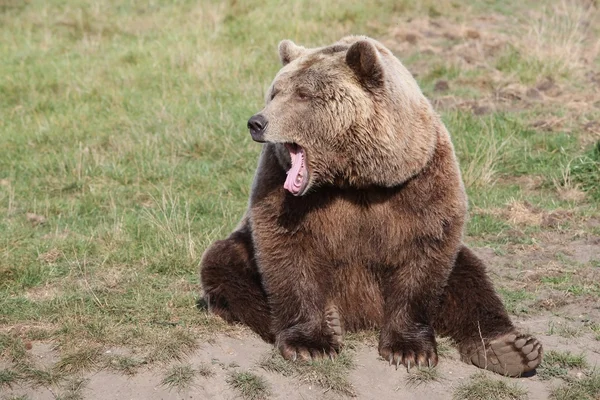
{"x": 355, "y": 221}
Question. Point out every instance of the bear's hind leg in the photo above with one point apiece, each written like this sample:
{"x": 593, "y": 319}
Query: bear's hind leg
{"x": 232, "y": 283}
{"x": 472, "y": 314}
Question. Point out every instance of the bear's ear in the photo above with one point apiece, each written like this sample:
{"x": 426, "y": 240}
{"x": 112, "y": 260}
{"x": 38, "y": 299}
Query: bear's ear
{"x": 363, "y": 58}
{"x": 289, "y": 51}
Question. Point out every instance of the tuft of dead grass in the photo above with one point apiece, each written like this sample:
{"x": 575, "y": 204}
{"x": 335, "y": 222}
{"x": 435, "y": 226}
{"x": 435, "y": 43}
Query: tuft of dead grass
{"x": 205, "y": 370}
{"x": 330, "y": 375}
{"x": 73, "y": 389}
{"x": 124, "y": 364}
{"x": 523, "y": 213}
{"x": 83, "y": 359}
{"x": 423, "y": 376}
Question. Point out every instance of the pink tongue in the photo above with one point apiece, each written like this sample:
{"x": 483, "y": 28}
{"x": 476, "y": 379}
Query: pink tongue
{"x": 292, "y": 183}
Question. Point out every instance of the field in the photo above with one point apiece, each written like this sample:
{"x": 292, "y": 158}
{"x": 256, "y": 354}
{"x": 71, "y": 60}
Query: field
{"x": 124, "y": 153}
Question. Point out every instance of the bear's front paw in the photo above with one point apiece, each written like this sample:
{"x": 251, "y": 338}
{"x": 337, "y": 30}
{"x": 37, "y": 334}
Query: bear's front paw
{"x": 415, "y": 347}
{"x": 303, "y": 342}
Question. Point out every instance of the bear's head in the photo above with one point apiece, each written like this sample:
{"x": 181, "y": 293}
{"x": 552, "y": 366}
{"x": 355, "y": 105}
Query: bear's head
{"x": 349, "y": 115}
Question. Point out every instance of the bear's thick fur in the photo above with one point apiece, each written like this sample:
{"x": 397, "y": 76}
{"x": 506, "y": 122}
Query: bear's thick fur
{"x": 355, "y": 221}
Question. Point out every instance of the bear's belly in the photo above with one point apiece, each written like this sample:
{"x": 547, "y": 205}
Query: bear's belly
{"x": 356, "y": 292}
{"x": 359, "y": 235}
{"x": 358, "y": 245}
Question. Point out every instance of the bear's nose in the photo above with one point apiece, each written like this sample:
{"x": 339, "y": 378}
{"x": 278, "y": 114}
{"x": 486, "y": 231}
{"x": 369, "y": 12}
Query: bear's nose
{"x": 257, "y": 124}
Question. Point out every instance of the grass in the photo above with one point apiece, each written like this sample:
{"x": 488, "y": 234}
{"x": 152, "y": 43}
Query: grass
{"x": 330, "y": 375}
{"x": 8, "y": 377}
{"x": 585, "y": 388}
{"x": 516, "y": 301}
{"x": 565, "y": 359}
{"x": 125, "y": 154}
{"x": 482, "y": 387}
{"x": 79, "y": 360}
{"x": 179, "y": 377}
{"x": 249, "y": 385}
{"x": 585, "y": 170}
{"x": 72, "y": 389}
{"x": 46, "y": 376}
{"x": 174, "y": 346}
{"x": 555, "y": 41}
{"x": 205, "y": 370}
{"x": 423, "y": 376}
{"x": 557, "y": 364}
{"x": 124, "y": 364}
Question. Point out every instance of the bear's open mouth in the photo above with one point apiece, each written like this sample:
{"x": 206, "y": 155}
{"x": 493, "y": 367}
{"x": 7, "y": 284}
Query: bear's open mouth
{"x": 297, "y": 176}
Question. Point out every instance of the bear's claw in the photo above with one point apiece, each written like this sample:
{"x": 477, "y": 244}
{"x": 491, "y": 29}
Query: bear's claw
{"x": 409, "y": 348}
{"x": 512, "y": 354}
{"x": 328, "y": 344}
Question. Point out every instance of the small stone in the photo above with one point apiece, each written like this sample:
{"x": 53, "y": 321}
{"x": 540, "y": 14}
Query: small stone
{"x": 533, "y": 93}
{"x": 545, "y": 85}
{"x": 35, "y": 219}
{"x": 411, "y": 38}
{"x": 441, "y": 86}
{"x": 481, "y": 110}
{"x": 472, "y": 34}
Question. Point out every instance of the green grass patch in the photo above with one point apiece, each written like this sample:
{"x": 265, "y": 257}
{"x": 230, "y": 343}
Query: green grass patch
{"x": 585, "y": 170}
{"x": 516, "y": 302}
{"x": 585, "y": 388}
{"x": 481, "y": 387}
{"x": 565, "y": 359}
{"x": 249, "y": 385}
{"x": 481, "y": 224}
{"x": 179, "y": 377}
{"x": 556, "y": 364}
{"x": 570, "y": 283}
{"x": 8, "y": 377}
{"x": 46, "y": 376}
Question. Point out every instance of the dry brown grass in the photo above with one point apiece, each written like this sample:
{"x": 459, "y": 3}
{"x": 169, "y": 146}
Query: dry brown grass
{"x": 561, "y": 36}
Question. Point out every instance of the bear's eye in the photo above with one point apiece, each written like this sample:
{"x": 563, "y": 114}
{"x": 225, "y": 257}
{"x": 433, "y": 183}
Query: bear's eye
{"x": 303, "y": 95}
{"x": 274, "y": 93}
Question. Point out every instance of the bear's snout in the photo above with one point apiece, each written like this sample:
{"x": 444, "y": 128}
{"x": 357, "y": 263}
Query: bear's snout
{"x": 257, "y": 124}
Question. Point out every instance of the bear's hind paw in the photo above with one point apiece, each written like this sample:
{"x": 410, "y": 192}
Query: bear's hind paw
{"x": 512, "y": 354}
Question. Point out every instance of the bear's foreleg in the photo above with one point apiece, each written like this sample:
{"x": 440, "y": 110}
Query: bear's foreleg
{"x": 411, "y": 293}
{"x": 305, "y": 322}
